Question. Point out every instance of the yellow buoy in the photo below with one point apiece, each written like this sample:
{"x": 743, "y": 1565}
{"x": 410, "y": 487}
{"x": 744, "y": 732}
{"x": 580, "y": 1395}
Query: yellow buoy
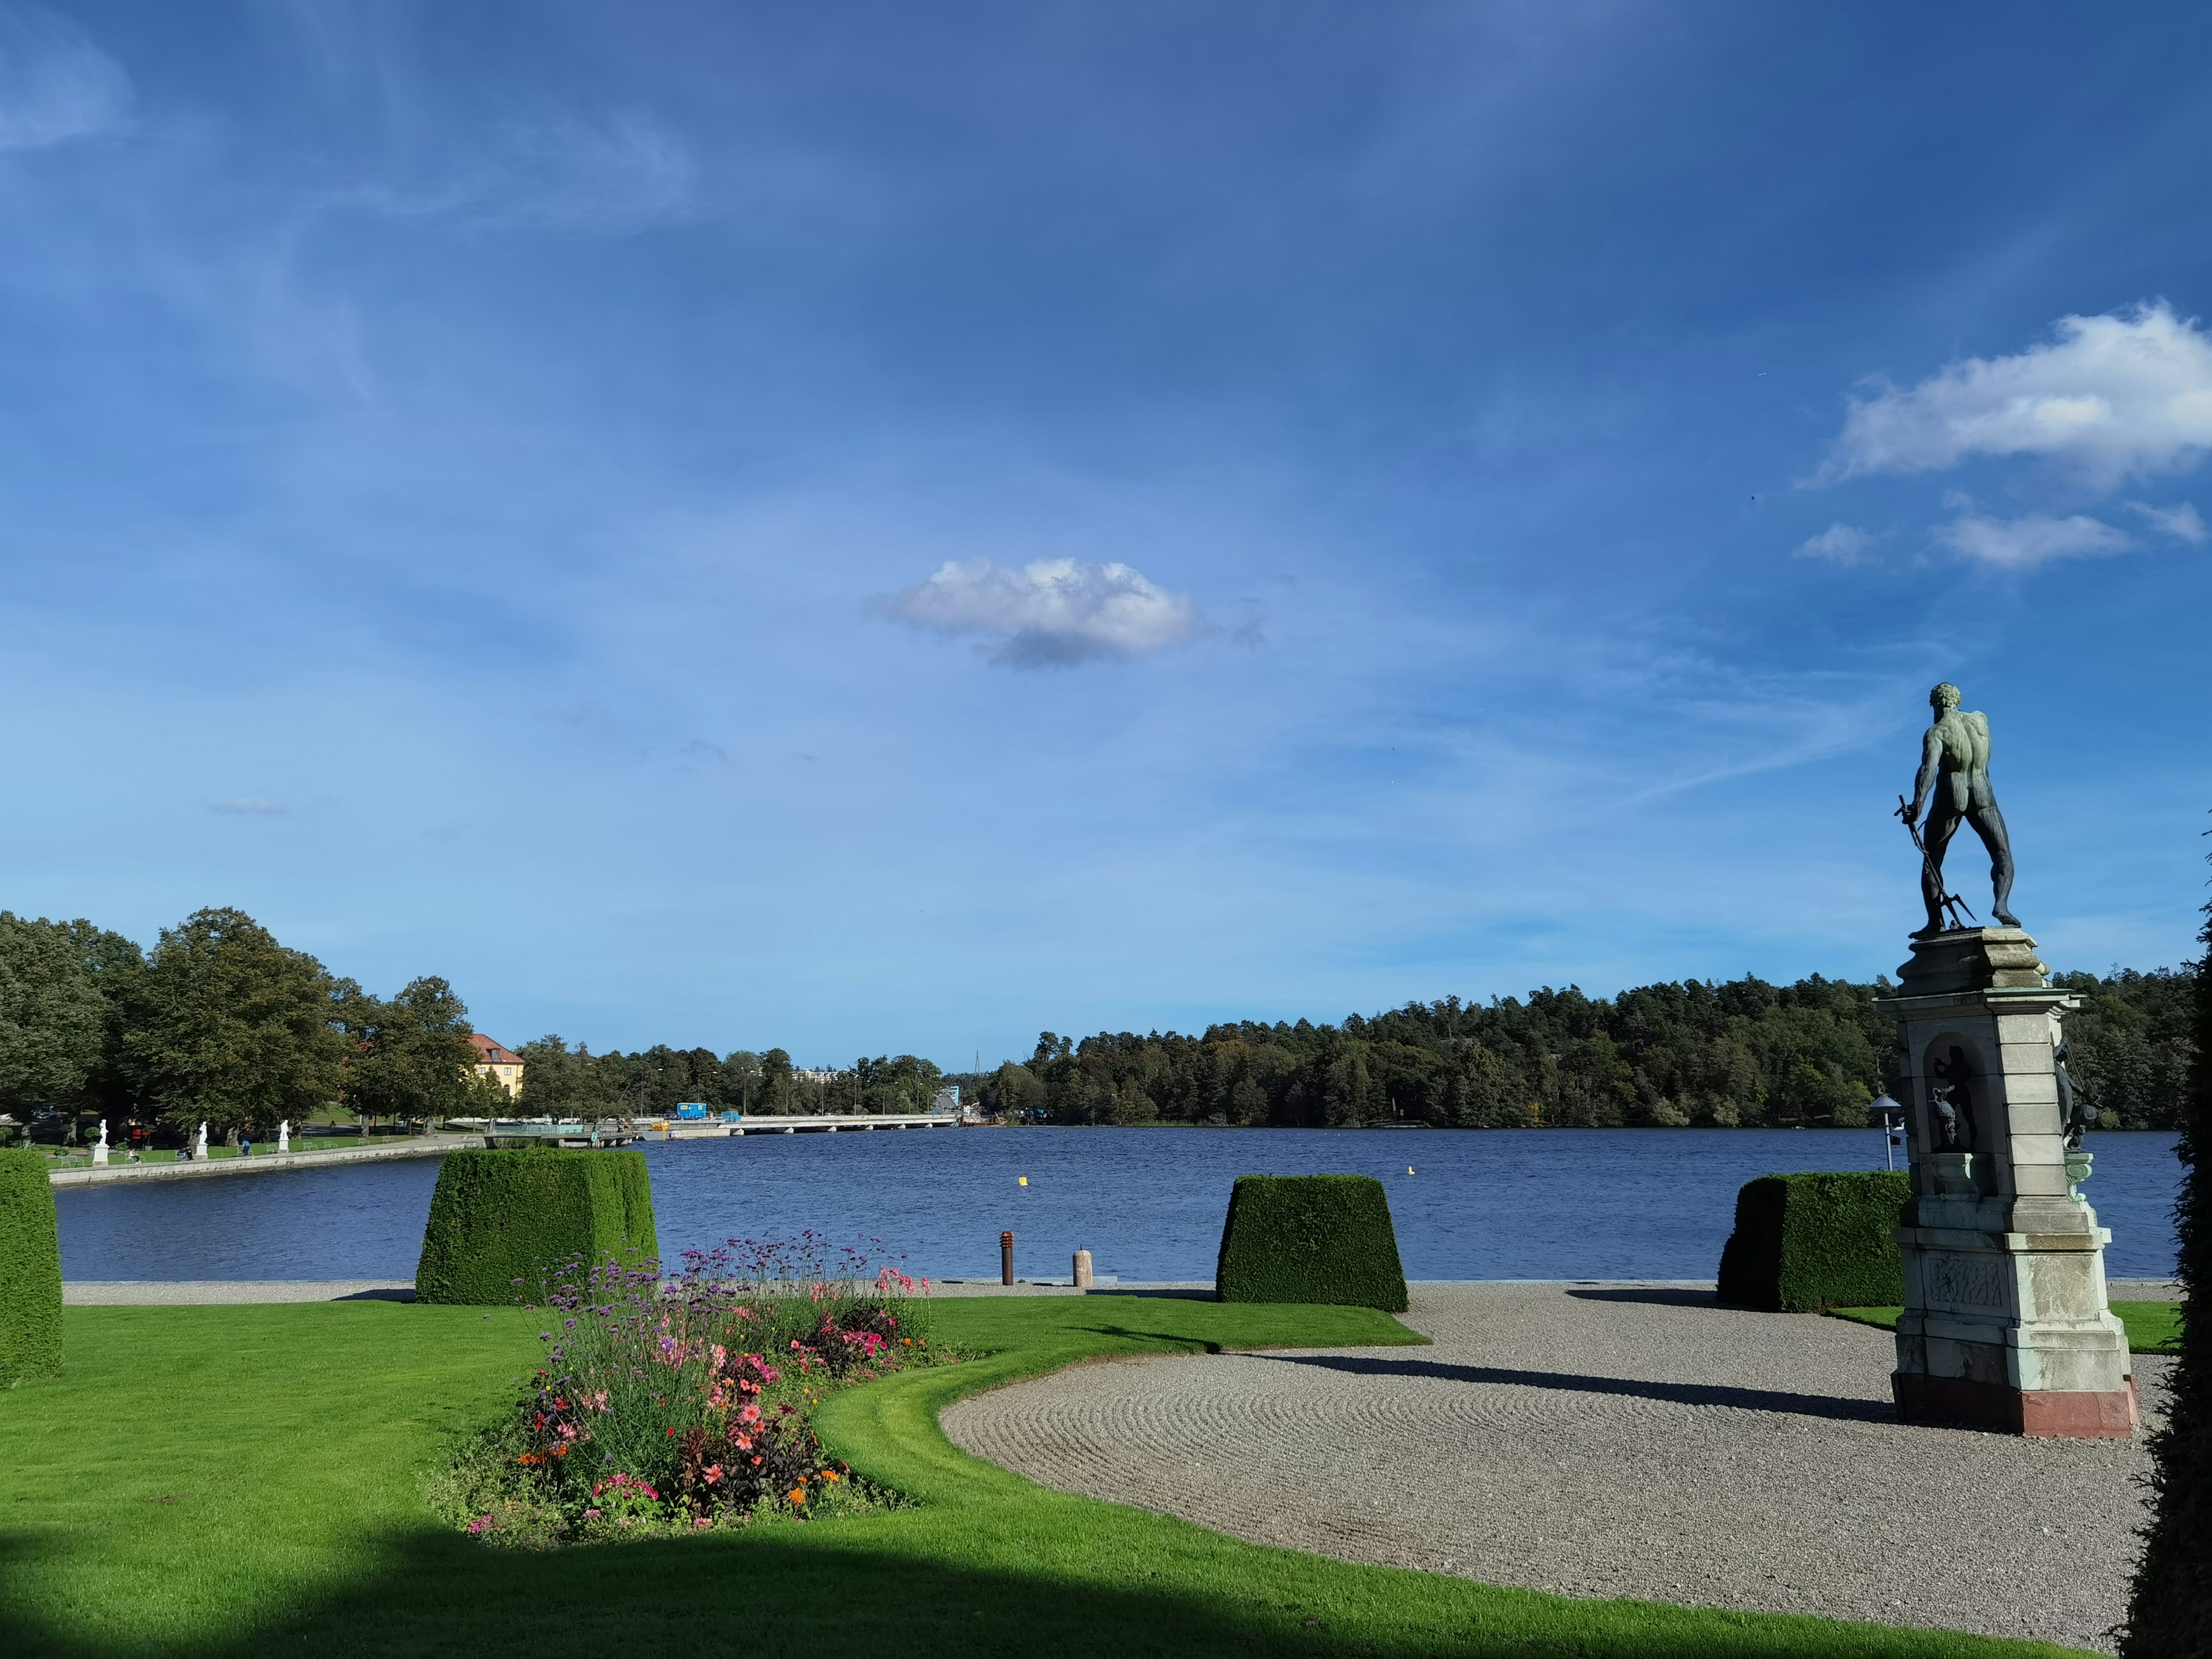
{"x": 1024, "y": 1180}
{"x": 1409, "y": 1168}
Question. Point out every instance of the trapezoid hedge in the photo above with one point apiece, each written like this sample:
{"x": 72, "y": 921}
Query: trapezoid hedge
{"x": 1803, "y": 1242}
{"x": 30, "y": 1271}
{"x": 500, "y": 1216}
{"x": 1324, "y": 1238}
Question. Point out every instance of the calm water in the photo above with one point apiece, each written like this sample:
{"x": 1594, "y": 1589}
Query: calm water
{"x": 1147, "y": 1203}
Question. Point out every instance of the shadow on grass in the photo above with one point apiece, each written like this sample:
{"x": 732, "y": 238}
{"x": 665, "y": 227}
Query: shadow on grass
{"x": 1674, "y": 1393}
{"x": 842, "y": 1588}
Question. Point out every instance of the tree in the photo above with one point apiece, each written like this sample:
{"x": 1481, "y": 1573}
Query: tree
{"x": 54, "y": 1020}
{"x": 232, "y": 1028}
{"x": 411, "y": 1056}
{"x": 555, "y": 1079}
{"x": 2170, "y": 1611}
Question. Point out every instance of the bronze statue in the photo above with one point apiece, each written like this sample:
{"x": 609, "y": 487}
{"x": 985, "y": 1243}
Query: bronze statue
{"x": 1951, "y": 1107}
{"x": 1955, "y": 755}
{"x": 2077, "y": 1112}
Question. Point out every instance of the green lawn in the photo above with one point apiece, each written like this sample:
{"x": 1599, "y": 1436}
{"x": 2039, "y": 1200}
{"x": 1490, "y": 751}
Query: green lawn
{"x": 2153, "y": 1326}
{"x": 232, "y": 1480}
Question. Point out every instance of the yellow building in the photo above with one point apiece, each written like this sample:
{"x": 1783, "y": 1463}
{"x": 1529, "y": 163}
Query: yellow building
{"x": 494, "y": 1061}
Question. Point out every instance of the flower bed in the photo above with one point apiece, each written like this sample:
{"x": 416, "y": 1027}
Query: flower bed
{"x": 675, "y": 1404}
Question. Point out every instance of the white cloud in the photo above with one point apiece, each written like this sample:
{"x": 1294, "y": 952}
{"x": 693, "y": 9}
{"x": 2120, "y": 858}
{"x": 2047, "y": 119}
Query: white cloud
{"x": 248, "y": 806}
{"x": 2110, "y": 397}
{"x": 1053, "y": 612}
{"x": 1840, "y": 543}
{"x": 55, "y": 85}
{"x": 2183, "y": 522}
{"x": 2024, "y": 543}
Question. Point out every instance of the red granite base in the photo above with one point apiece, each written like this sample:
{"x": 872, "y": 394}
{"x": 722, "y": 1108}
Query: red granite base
{"x": 1955, "y": 1402}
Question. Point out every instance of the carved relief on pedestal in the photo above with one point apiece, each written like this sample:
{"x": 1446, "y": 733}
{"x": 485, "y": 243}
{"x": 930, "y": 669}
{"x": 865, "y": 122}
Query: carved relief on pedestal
{"x": 1965, "y": 1281}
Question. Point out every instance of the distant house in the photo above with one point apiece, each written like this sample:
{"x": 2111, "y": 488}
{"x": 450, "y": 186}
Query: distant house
{"x": 804, "y": 1075}
{"x": 494, "y": 1060}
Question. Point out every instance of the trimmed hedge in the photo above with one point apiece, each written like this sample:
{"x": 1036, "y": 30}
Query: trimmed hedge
{"x": 500, "y": 1216}
{"x": 1311, "y": 1238}
{"x": 1803, "y": 1242}
{"x": 30, "y": 1271}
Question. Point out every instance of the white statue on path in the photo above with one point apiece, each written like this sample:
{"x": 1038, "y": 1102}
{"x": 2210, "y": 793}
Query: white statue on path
{"x": 199, "y": 1146}
{"x": 285, "y": 1136}
{"x": 100, "y": 1152}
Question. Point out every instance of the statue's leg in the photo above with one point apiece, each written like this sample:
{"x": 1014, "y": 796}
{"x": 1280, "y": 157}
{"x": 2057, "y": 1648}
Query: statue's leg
{"x": 1936, "y": 835}
{"x": 1990, "y": 826}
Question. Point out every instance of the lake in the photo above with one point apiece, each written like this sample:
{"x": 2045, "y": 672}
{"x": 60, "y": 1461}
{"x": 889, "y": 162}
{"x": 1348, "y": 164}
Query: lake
{"x": 1147, "y": 1203}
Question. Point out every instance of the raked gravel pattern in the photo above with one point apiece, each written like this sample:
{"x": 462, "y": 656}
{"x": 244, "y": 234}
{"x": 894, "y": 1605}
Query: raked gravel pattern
{"x": 1607, "y": 1441}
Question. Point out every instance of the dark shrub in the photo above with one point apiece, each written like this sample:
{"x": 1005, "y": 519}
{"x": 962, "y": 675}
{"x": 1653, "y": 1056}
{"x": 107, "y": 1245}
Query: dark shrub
{"x": 498, "y": 1216}
{"x": 2169, "y": 1612}
{"x": 1311, "y": 1238}
{"x": 1803, "y": 1242}
{"x": 30, "y": 1271}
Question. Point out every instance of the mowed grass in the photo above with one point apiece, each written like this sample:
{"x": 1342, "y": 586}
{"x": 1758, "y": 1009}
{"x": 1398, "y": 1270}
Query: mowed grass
{"x": 249, "y": 1480}
{"x": 2152, "y": 1326}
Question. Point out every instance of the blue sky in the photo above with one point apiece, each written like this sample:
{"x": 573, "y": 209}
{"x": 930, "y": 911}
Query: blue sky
{"x": 879, "y": 528}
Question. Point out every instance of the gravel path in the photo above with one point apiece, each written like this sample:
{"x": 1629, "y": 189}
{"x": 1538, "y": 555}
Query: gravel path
{"x": 1606, "y": 1442}
{"x": 200, "y": 1292}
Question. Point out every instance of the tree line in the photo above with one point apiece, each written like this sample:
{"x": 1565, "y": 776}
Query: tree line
{"x": 563, "y": 1082}
{"x": 218, "y": 1024}
{"x": 1743, "y": 1053}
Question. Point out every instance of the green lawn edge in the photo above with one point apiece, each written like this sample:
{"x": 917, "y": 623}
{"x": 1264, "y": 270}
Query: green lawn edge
{"x": 2152, "y": 1328}
{"x": 205, "y": 1482}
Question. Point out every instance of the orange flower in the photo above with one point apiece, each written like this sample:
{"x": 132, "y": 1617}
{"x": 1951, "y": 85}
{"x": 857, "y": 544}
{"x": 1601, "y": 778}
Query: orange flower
{"x": 529, "y": 1457}
{"x": 798, "y": 1494}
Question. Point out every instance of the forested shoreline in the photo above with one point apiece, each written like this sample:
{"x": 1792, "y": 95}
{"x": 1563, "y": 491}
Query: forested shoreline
{"x": 219, "y": 1022}
{"x": 1744, "y": 1053}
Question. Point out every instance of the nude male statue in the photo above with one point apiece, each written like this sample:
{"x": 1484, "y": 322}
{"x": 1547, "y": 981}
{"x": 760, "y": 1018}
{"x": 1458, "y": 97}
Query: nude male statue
{"x": 1955, "y": 756}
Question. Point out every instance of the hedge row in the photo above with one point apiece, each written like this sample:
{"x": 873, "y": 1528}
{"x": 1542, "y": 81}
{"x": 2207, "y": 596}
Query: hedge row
{"x": 1311, "y": 1238}
{"x": 30, "y": 1271}
{"x": 499, "y": 1216}
{"x": 1803, "y": 1242}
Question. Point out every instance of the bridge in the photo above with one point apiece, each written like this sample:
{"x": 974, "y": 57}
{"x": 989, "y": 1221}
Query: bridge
{"x": 677, "y": 1128}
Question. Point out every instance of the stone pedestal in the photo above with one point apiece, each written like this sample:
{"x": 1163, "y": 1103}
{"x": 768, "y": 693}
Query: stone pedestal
{"x": 1081, "y": 1276}
{"x": 2005, "y": 1324}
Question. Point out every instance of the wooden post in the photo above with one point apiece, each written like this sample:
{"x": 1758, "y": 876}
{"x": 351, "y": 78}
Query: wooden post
{"x": 1005, "y": 1258}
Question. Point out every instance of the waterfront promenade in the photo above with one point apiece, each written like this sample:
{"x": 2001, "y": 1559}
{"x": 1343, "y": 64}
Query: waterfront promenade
{"x": 1607, "y": 1440}
{"x": 259, "y": 1164}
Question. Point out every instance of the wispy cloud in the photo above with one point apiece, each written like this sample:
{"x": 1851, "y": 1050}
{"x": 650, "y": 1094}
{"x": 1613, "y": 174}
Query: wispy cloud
{"x": 1052, "y": 613}
{"x": 2033, "y": 539}
{"x": 55, "y": 84}
{"x": 2109, "y": 397}
{"x": 248, "y": 806}
{"x": 2183, "y": 522}
{"x": 611, "y": 176}
{"x": 1840, "y": 543}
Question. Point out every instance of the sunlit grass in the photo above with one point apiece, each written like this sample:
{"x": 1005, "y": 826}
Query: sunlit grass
{"x": 247, "y": 1479}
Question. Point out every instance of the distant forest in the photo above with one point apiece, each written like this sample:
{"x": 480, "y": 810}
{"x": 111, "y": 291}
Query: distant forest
{"x": 651, "y": 1083}
{"x": 1741, "y": 1053}
{"x": 1745, "y": 1052}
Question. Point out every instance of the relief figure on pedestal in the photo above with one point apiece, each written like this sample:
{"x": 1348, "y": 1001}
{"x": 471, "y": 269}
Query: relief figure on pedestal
{"x": 1955, "y": 766}
{"x": 1950, "y": 1107}
{"x": 2077, "y": 1111}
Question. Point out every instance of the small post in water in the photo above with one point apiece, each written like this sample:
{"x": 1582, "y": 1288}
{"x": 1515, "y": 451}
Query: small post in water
{"x": 1005, "y": 1258}
{"x": 1081, "y": 1274}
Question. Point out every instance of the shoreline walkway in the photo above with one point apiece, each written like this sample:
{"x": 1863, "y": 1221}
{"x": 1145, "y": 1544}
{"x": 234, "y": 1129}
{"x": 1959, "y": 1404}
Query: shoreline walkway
{"x": 260, "y": 1162}
{"x": 1608, "y": 1440}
